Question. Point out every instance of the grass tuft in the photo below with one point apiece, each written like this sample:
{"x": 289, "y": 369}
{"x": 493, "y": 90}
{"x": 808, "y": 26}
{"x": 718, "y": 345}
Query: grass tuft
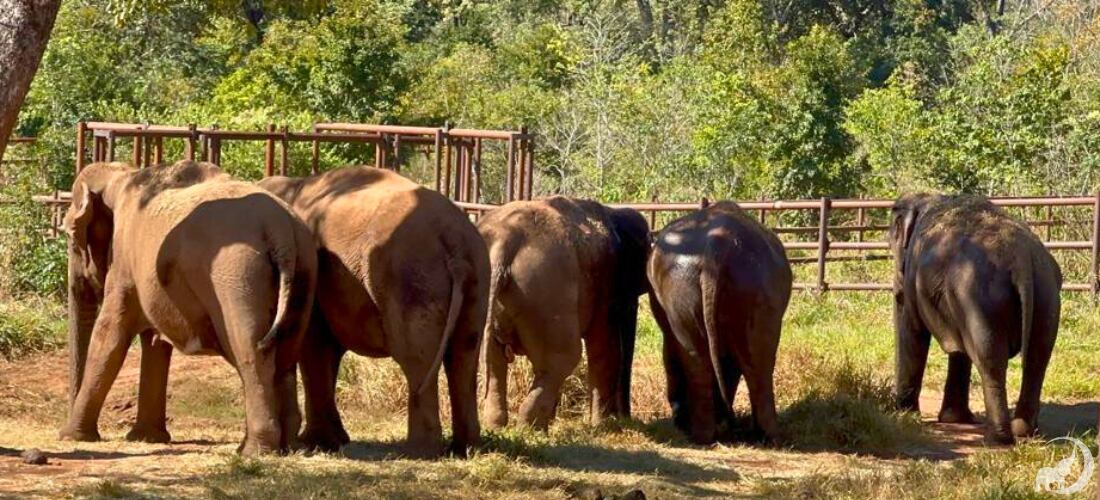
{"x": 30, "y": 326}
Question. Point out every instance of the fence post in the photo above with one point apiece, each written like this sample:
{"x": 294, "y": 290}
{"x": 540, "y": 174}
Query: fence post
{"x": 81, "y": 127}
{"x": 438, "y": 160}
{"x": 1096, "y": 247}
{"x": 191, "y": 141}
{"x": 823, "y": 243}
{"x": 284, "y": 149}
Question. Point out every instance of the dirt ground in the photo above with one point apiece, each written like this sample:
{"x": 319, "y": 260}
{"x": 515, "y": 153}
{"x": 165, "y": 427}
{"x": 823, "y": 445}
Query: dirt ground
{"x": 33, "y": 394}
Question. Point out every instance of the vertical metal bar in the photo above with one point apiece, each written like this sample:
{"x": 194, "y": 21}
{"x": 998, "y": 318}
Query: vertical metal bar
{"x": 521, "y": 169}
{"x": 470, "y": 170}
{"x": 216, "y": 150}
{"x": 509, "y": 192}
{"x": 1096, "y": 247}
{"x": 269, "y": 152}
{"x": 460, "y": 171}
{"x": 447, "y": 144}
{"x": 97, "y": 148}
{"x": 135, "y": 153}
{"x": 1050, "y": 220}
{"x": 438, "y": 158}
{"x": 477, "y": 171}
{"x": 823, "y": 243}
{"x": 191, "y": 141}
{"x": 859, "y": 222}
{"x": 147, "y": 149}
{"x": 284, "y": 146}
{"x": 158, "y": 156}
{"x": 529, "y": 147}
{"x": 81, "y": 127}
{"x": 110, "y": 146}
{"x": 314, "y": 158}
{"x": 396, "y": 162}
{"x": 378, "y": 150}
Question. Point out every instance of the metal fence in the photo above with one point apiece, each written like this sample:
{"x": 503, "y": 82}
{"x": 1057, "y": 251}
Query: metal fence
{"x": 844, "y": 225}
{"x": 456, "y": 152}
{"x": 843, "y": 229}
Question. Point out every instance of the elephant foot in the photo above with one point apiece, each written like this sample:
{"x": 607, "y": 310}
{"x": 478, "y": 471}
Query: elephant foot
{"x": 1022, "y": 428}
{"x": 148, "y": 435}
{"x": 326, "y": 440}
{"x": 252, "y": 448}
{"x": 495, "y": 420}
{"x": 956, "y": 416}
{"x": 423, "y": 450}
{"x": 999, "y": 438}
{"x": 74, "y": 434}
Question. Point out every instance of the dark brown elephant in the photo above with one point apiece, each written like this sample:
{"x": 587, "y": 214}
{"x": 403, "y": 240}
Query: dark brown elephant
{"x": 185, "y": 257}
{"x": 404, "y": 274}
{"x": 720, "y": 286}
{"x": 983, "y": 285}
{"x": 563, "y": 270}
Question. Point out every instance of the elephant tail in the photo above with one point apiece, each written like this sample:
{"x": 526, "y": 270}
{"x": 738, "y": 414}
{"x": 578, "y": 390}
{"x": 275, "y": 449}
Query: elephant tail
{"x": 709, "y": 295}
{"x": 285, "y": 262}
{"x": 500, "y": 255}
{"x": 1023, "y": 278}
{"x": 459, "y": 271}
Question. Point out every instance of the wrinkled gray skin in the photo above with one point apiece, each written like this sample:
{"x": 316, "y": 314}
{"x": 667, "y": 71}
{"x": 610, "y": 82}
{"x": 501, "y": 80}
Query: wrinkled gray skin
{"x": 984, "y": 286}
{"x": 192, "y": 260}
{"x": 720, "y": 284}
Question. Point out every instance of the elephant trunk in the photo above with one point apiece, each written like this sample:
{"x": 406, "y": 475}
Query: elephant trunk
{"x": 82, "y": 316}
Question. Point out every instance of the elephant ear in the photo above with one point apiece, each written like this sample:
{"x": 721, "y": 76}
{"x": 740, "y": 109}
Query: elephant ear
{"x": 79, "y": 216}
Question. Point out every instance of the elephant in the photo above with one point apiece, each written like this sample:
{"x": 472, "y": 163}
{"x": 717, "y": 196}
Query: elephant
{"x": 189, "y": 259}
{"x": 720, "y": 284}
{"x": 563, "y": 270}
{"x": 984, "y": 286}
{"x": 404, "y": 274}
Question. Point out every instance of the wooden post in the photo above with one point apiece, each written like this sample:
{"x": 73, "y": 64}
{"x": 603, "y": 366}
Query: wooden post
{"x": 823, "y": 243}
{"x": 158, "y": 156}
{"x": 147, "y": 149}
{"x": 395, "y": 164}
{"x": 447, "y": 144}
{"x": 191, "y": 141}
{"x": 81, "y": 128}
{"x": 269, "y": 152}
{"x": 110, "y": 146}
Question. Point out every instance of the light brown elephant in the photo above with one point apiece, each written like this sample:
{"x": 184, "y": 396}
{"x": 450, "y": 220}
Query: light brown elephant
{"x": 563, "y": 270}
{"x": 403, "y": 274}
{"x": 190, "y": 259}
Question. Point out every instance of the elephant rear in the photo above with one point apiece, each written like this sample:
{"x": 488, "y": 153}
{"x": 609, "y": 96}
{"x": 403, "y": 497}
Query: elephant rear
{"x": 721, "y": 284}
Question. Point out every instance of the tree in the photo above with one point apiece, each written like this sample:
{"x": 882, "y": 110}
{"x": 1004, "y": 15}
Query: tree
{"x": 25, "y": 27}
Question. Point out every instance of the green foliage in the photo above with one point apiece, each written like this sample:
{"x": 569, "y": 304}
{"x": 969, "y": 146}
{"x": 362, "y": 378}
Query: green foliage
{"x": 29, "y": 326}
{"x": 632, "y": 101}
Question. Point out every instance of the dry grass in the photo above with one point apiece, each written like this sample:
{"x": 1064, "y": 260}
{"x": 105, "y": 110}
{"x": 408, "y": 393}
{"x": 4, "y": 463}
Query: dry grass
{"x": 833, "y": 382}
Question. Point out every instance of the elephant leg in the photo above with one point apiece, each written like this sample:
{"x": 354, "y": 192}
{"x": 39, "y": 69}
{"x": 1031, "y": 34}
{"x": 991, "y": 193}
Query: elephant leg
{"x": 495, "y": 402}
{"x": 911, "y": 357}
{"x": 1026, "y": 420}
{"x": 761, "y": 340}
{"x": 425, "y": 434}
{"x": 602, "y": 348}
{"x": 156, "y": 357}
{"x": 111, "y": 337}
{"x": 290, "y": 418}
{"x": 675, "y": 376}
{"x": 258, "y": 370}
{"x": 956, "y": 391}
{"x": 320, "y": 364}
{"x": 551, "y": 370}
{"x": 461, "y": 368}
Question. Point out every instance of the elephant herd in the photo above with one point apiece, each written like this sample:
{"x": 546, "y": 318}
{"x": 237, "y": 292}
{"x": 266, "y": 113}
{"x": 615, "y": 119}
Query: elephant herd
{"x": 289, "y": 274}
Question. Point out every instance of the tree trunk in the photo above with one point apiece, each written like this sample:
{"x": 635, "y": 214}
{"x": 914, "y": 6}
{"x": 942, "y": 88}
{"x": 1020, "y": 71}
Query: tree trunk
{"x": 25, "y": 27}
